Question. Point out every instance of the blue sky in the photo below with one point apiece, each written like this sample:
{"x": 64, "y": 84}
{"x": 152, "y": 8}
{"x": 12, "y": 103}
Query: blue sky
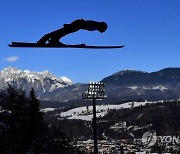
{"x": 150, "y": 31}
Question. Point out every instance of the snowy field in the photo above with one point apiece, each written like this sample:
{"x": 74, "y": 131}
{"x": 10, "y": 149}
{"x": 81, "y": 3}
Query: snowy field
{"x": 85, "y": 113}
{"x": 48, "y": 110}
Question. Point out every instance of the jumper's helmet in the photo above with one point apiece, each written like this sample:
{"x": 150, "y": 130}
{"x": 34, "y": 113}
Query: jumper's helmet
{"x": 102, "y": 27}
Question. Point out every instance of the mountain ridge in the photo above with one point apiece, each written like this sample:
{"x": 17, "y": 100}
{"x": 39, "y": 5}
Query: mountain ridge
{"x": 122, "y": 85}
{"x": 41, "y": 81}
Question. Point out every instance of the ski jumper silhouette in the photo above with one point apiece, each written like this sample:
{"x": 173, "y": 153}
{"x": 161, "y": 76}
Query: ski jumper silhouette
{"x": 52, "y": 39}
{"x": 79, "y": 24}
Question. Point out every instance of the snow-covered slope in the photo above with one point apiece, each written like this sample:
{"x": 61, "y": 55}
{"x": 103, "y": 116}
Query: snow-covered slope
{"x": 67, "y": 80}
{"x": 41, "y": 81}
{"x": 86, "y": 113}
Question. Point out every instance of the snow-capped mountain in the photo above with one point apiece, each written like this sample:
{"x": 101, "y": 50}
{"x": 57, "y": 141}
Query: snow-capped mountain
{"x": 42, "y": 82}
{"x": 121, "y": 86}
{"x": 132, "y": 84}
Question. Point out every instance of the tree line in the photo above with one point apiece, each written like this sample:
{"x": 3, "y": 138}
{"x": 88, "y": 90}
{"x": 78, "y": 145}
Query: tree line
{"x": 23, "y": 129}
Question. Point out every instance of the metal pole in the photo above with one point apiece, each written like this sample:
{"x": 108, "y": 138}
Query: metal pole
{"x": 95, "y": 127}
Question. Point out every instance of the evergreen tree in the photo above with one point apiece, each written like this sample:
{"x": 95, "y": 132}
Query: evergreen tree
{"x": 37, "y": 127}
{"x": 14, "y": 118}
{"x": 33, "y": 102}
{"x": 36, "y": 117}
{"x": 22, "y": 128}
{"x": 21, "y": 122}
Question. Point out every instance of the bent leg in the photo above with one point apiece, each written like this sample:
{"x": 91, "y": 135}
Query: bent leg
{"x": 55, "y": 36}
{"x": 51, "y": 38}
{"x": 44, "y": 39}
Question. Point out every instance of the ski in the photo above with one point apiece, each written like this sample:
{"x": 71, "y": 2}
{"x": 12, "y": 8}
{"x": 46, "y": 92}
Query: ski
{"x": 36, "y": 45}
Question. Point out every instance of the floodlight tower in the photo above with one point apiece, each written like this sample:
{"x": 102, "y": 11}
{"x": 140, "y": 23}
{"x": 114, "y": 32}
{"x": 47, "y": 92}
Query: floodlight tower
{"x": 95, "y": 91}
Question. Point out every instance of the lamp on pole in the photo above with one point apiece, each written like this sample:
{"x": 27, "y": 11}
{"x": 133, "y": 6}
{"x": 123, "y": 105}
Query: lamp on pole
{"x": 95, "y": 91}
